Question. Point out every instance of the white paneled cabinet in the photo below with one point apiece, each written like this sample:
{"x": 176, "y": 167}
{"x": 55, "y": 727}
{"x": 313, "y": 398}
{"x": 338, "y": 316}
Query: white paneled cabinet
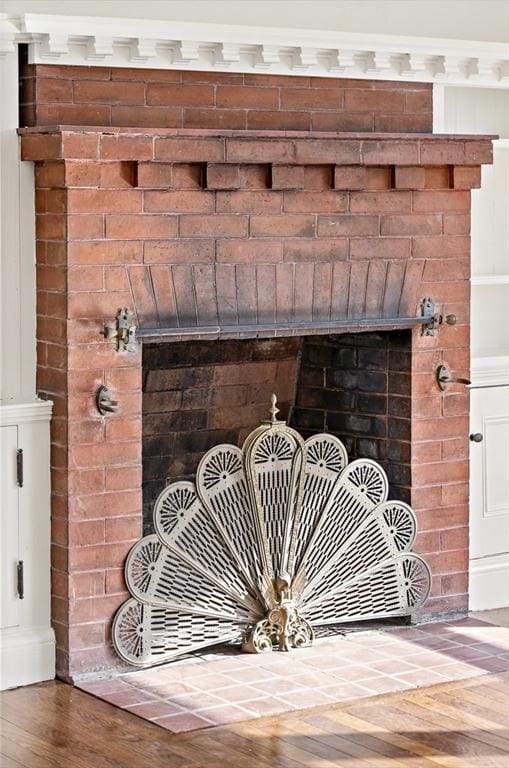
{"x": 11, "y": 567}
{"x": 27, "y": 644}
{"x": 489, "y": 498}
{"x": 489, "y": 524}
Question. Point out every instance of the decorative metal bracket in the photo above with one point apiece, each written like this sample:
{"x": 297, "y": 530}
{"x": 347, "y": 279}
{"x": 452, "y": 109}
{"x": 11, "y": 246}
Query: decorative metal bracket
{"x": 428, "y": 310}
{"x": 104, "y": 402}
{"x": 432, "y": 318}
{"x": 123, "y": 332}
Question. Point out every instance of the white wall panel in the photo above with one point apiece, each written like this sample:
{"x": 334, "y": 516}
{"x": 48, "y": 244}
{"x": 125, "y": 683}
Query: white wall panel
{"x": 490, "y": 258}
{"x": 467, "y": 110}
{"x": 485, "y": 111}
{"x": 490, "y": 320}
{"x": 17, "y": 251}
{"x": 456, "y": 19}
{"x": 490, "y": 216}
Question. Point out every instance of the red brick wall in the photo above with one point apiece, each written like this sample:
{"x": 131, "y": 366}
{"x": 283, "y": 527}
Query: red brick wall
{"x": 95, "y": 463}
{"x": 65, "y": 95}
{"x": 314, "y": 229}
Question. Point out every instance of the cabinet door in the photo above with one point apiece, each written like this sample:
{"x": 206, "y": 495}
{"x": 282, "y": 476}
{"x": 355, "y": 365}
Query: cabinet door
{"x": 489, "y": 487}
{"x": 9, "y": 544}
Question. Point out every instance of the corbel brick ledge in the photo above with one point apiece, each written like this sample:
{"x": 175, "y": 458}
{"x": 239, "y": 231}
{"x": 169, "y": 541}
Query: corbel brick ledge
{"x": 251, "y": 147}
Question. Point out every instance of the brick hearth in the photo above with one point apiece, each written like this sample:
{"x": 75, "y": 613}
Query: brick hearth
{"x": 219, "y": 689}
{"x": 211, "y": 229}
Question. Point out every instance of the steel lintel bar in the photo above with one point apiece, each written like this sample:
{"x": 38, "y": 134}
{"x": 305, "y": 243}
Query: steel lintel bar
{"x": 281, "y": 329}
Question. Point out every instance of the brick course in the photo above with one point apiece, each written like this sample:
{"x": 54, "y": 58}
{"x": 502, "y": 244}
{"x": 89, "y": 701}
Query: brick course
{"x": 56, "y": 94}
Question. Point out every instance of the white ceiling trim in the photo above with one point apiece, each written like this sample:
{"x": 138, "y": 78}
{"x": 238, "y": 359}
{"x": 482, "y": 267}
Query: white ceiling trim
{"x": 88, "y": 40}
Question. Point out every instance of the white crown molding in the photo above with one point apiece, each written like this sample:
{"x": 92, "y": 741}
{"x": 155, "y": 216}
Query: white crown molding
{"x": 25, "y": 413}
{"x": 88, "y": 40}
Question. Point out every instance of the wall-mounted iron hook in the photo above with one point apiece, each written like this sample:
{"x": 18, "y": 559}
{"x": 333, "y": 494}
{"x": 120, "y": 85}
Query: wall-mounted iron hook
{"x": 445, "y": 377}
{"x": 104, "y": 402}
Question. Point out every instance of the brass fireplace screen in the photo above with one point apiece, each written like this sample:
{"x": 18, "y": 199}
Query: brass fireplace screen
{"x": 272, "y": 540}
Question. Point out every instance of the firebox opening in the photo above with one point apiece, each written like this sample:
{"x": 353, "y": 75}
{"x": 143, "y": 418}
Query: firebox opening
{"x": 197, "y": 394}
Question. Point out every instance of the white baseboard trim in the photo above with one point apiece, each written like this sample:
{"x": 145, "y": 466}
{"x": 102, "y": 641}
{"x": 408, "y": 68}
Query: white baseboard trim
{"x": 26, "y": 656}
{"x": 489, "y": 583}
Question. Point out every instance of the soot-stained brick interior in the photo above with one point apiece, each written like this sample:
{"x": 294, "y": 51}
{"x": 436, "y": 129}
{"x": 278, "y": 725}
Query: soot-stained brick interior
{"x": 199, "y": 394}
{"x": 357, "y": 386}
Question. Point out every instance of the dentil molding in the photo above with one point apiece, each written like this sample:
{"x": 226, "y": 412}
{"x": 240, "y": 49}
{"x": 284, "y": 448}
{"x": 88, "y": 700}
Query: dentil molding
{"x": 88, "y": 40}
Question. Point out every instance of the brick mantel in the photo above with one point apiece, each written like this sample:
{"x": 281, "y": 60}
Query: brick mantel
{"x": 351, "y": 217}
{"x": 345, "y": 148}
{"x": 208, "y": 227}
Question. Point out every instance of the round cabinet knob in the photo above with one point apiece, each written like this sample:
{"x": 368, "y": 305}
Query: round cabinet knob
{"x": 476, "y": 437}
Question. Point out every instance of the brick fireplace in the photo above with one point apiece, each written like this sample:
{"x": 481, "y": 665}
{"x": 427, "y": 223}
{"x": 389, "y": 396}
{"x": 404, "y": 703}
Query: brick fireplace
{"x": 291, "y": 259}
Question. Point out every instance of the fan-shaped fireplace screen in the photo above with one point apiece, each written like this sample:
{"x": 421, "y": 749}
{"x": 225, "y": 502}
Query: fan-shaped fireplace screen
{"x": 273, "y": 539}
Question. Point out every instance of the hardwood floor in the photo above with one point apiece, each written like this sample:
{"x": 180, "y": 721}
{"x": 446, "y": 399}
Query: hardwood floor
{"x": 453, "y": 725}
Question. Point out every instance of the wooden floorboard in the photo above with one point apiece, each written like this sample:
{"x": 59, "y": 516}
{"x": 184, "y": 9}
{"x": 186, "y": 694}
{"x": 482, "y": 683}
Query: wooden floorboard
{"x": 454, "y": 725}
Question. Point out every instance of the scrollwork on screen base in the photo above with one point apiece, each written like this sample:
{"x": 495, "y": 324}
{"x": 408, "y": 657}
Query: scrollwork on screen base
{"x": 282, "y": 627}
